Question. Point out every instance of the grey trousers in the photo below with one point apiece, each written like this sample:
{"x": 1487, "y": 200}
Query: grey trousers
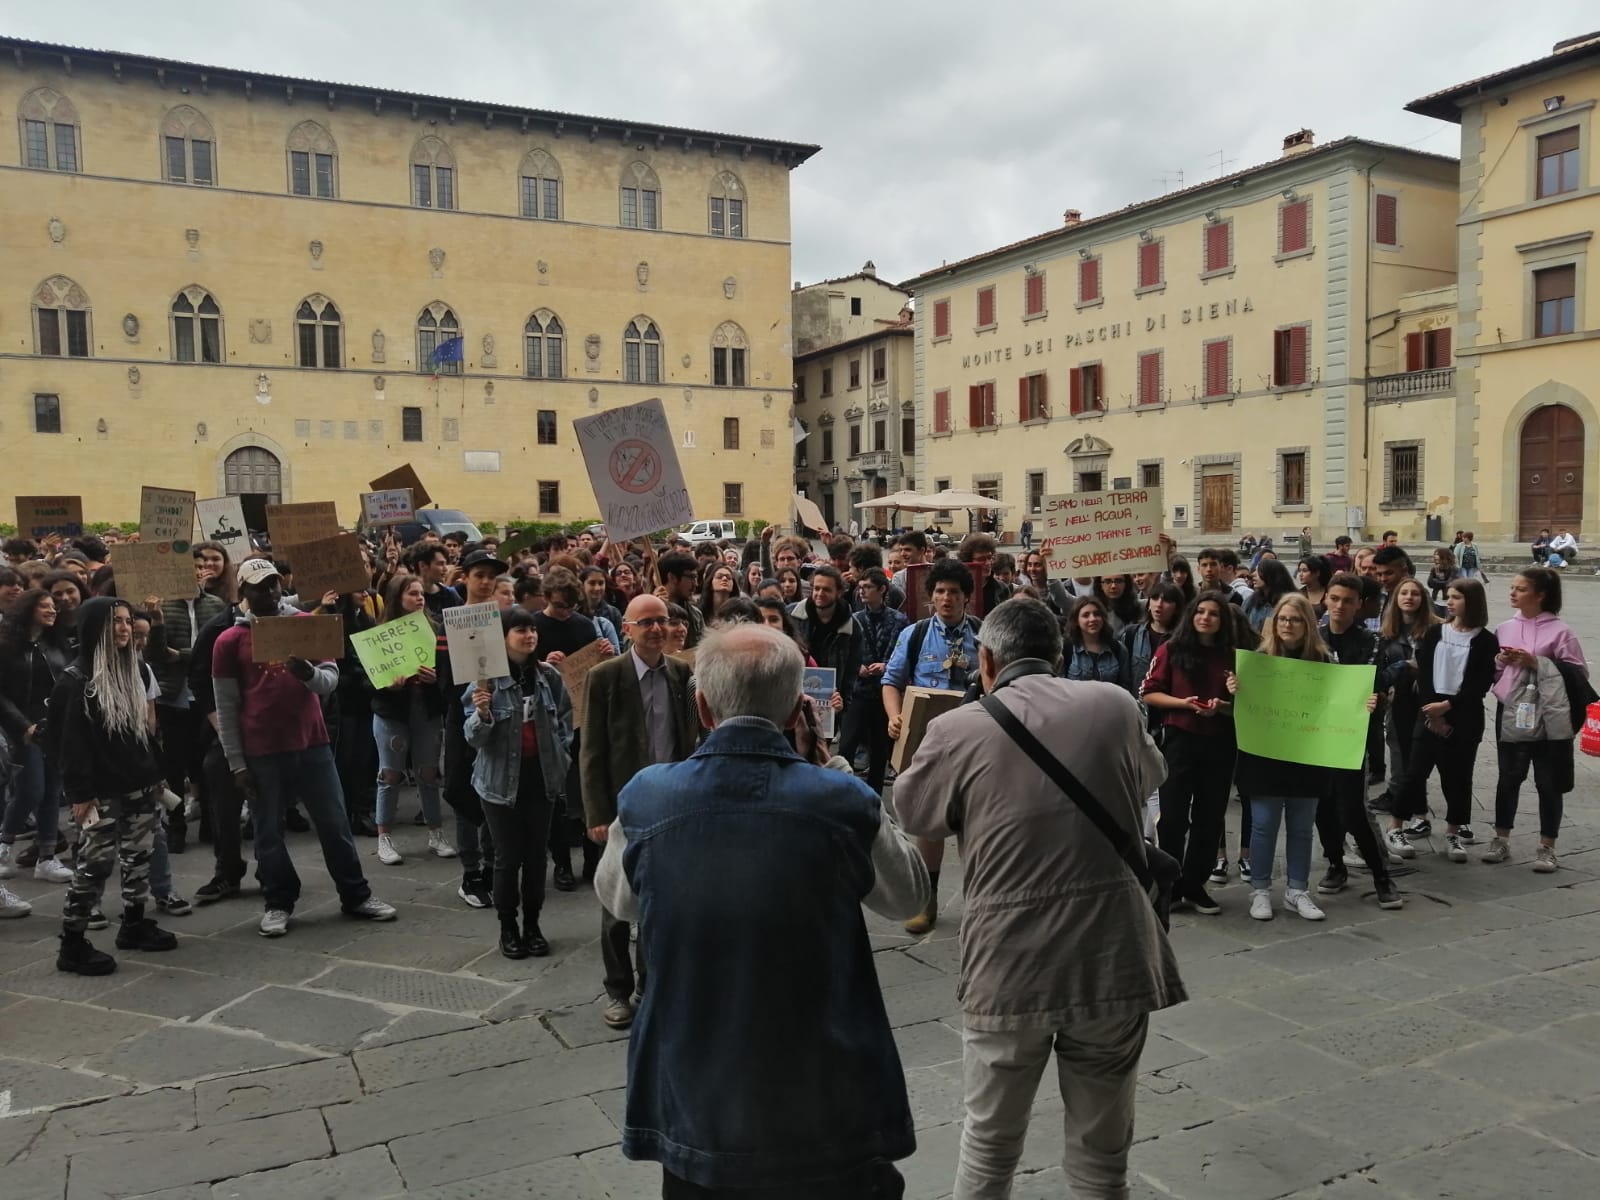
{"x": 1098, "y": 1063}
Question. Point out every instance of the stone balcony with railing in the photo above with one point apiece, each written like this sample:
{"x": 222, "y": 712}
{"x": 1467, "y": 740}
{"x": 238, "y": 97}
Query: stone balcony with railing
{"x": 1410, "y": 384}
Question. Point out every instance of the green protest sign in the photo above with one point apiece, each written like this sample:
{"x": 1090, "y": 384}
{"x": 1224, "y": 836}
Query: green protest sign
{"x": 396, "y": 649}
{"x": 1302, "y": 712}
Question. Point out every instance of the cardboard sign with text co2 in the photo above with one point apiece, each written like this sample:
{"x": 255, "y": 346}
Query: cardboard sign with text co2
{"x": 1084, "y": 534}
{"x": 391, "y": 507}
{"x": 477, "y": 646}
{"x": 633, "y": 467}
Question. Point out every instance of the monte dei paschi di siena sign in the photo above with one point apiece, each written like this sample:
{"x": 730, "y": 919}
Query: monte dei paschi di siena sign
{"x": 1215, "y": 311}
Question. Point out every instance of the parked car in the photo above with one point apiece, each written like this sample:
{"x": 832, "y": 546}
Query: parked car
{"x": 708, "y": 531}
{"x": 439, "y": 521}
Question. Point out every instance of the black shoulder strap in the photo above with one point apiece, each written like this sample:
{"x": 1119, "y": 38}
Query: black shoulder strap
{"x": 919, "y": 634}
{"x": 1121, "y": 840}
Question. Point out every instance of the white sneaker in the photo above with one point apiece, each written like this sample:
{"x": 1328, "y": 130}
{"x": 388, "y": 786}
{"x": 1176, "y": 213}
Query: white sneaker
{"x": 1301, "y": 903}
{"x": 8, "y": 869}
{"x": 13, "y": 905}
{"x": 439, "y": 844}
{"x": 387, "y": 854}
{"x": 372, "y": 909}
{"x": 274, "y": 923}
{"x": 1453, "y": 849}
{"x": 1395, "y": 842}
{"x": 52, "y": 870}
{"x": 1261, "y": 906}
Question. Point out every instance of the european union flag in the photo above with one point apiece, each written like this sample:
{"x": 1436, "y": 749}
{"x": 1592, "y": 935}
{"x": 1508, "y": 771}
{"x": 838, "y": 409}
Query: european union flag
{"x": 448, "y": 351}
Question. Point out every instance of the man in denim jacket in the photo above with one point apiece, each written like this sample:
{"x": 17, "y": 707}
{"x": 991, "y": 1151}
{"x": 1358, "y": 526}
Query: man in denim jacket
{"x": 761, "y": 1061}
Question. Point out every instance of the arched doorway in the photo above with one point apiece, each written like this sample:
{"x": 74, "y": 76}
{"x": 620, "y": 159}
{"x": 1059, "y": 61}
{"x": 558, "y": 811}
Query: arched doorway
{"x": 1550, "y": 471}
{"x": 255, "y": 476}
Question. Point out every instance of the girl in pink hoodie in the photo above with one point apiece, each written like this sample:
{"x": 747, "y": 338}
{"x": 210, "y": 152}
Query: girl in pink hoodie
{"x": 1535, "y": 632}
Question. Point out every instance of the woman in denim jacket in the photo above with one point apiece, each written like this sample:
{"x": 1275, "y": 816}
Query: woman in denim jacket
{"x": 521, "y": 726}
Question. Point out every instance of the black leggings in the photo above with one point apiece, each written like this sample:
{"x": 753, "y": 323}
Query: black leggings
{"x": 1194, "y": 800}
{"x": 1453, "y": 756}
{"x": 1344, "y": 810}
{"x": 521, "y": 831}
{"x": 1515, "y": 759}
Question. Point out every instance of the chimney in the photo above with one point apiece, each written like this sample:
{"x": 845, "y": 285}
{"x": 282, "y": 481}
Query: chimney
{"x": 1072, "y": 217}
{"x": 869, "y": 269}
{"x": 1298, "y": 142}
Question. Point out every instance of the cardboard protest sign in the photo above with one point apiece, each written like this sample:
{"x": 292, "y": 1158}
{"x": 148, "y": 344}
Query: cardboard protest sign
{"x": 818, "y": 683}
{"x": 1302, "y": 712}
{"x": 515, "y": 543}
{"x": 919, "y": 706}
{"x": 314, "y": 638}
{"x": 633, "y": 467}
{"x": 1085, "y": 534}
{"x": 805, "y": 514}
{"x": 329, "y": 564}
{"x": 391, "y": 507}
{"x": 164, "y": 569}
{"x": 403, "y": 477}
{"x": 575, "y": 669}
{"x": 396, "y": 649}
{"x": 222, "y": 521}
{"x": 477, "y": 645}
{"x": 166, "y": 515}
{"x": 40, "y": 516}
{"x": 291, "y": 524}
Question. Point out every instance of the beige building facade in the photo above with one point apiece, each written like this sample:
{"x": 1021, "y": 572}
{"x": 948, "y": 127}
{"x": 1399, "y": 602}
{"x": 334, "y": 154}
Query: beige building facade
{"x": 854, "y": 395}
{"x": 1219, "y": 342}
{"x": 236, "y": 283}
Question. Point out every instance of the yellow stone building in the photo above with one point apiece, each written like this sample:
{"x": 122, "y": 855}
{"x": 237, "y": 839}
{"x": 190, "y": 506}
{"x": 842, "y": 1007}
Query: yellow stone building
{"x": 1524, "y": 409}
{"x": 1220, "y": 342}
{"x": 854, "y": 395}
{"x": 234, "y": 282}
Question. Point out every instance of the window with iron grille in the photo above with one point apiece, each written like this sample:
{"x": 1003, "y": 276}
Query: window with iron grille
{"x": 732, "y": 499}
{"x": 46, "y": 413}
{"x": 549, "y": 497}
{"x": 1404, "y": 483}
{"x": 1292, "y": 478}
{"x": 411, "y": 424}
{"x": 730, "y": 433}
{"x": 1150, "y": 475}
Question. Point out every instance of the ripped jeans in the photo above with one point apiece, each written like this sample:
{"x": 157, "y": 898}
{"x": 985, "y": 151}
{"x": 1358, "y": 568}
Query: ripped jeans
{"x": 413, "y": 742}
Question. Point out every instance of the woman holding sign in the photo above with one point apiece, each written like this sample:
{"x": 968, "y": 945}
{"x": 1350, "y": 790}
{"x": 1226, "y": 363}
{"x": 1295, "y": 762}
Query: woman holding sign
{"x": 407, "y": 724}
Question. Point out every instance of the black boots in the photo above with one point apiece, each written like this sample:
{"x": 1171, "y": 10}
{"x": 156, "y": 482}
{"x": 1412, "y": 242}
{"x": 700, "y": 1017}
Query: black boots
{"x": 80, "y": 958}
{"x": 139, "y": 932}
{"x": 564, "y": 882}
{"x": 532, "y": 940}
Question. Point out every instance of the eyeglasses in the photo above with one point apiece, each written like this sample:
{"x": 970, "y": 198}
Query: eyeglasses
{"x": 648, "y": 622}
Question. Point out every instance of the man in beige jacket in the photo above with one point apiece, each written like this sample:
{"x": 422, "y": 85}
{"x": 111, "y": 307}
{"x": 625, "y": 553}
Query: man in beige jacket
{"x": 1061, "y": 951}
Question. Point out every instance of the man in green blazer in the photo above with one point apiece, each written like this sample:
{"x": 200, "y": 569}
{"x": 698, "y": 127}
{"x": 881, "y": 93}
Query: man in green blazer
{"x": 638, "y": 711}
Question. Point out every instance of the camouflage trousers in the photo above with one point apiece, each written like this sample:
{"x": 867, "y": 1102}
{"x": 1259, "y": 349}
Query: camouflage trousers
{"x": 125, "y": 834}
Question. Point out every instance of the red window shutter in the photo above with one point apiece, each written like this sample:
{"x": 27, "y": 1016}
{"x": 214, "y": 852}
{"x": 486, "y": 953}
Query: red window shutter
{"x": 1219, "y": 244}
{"x": 1150, "y": 378}
{"x": 1075, "y": 377}
{"x": 1022, "y": 399}
{"x": 1386, "y": 224}
{"x": 1089, "y": 281}
{"x": 941, "y": 319}
{"x": 941, "y": 411}
{"x": 1035, "y": 295}
{"x": 986, "y": 306}
{"x": 1414, "y": 357}
{"x": 1299, "y": 355}
{"x": 1150, "y": 264}
{"x": 1292, "y": 231}
{"x": 1218, "y": 369}
{"x": 1441, "y": 347}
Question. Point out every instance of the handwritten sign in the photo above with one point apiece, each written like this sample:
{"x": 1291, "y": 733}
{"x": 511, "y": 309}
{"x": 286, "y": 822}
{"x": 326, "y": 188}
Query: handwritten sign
{"x": 392, "y": 507}
{"x": 818, "y": 683}
{"x": 403, "y": 477}
{"x": 396, "y": 649}
{"x": 518, "y": 541}
{"x": 807, "y": 517}
{"x": 477, "y": 645}
{"x": 154, "y": 569}
{"x": 575, "y": 669}
{"x": 166, "y": 515}
{"x": 292, "y": 524}
{"x": 633, "y": 467}
{"x": 313, "y": 638}
{"x": 330, "y": 564}
{"x": 40, "y": 516}
{"x": 222, "y": 521}
{"x": 1302, "y": 712}
{"x": 1085, "y": 534}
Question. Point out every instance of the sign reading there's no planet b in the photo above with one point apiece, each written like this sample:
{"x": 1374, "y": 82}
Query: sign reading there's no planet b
{"x": 633, "y": 467}
{"x": 477, "y": 645}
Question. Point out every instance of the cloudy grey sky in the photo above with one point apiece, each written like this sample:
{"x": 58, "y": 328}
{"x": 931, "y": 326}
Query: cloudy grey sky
{"x": 947, "y": 126}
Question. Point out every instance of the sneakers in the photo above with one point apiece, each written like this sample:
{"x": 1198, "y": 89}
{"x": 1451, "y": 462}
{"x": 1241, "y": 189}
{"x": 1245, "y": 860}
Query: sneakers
{"x": 1499, "y": 851}
{"x": 1335, "y": 881}
{"x": 52, "y": 870}
{"x": 1200, "y": 900}
{"x": 80, "y": 958}
{"x": 474, "y": 890}
{"x": 174, "y": 905}
{"x": 1453, "y": 849}
{"x": 1464, "y": 832}
{"x": 1244, "y": 870}
{"x": 12, "y": 905}
{"x": 218, "y": 889}
{"x": 274, "y": 922}
{"x": 28, "y": 856}
{"x": 438, "y": 845}
{"x": 142, "y": 933}
{"x": 1388, "y": 894}
{"x": 372, "y": 909}
{"x": 1395, "y": 843}
{"x": 1261, "y": 906}
{"x": 387, "y": 854}
{"x": 8, "y": 862}
{"x": 1420, "y": 828}
{"x": 1545, "y": 859}
{"x": 1301, "y": 904}
{"x": 1219, "y": 873}
{"x": 618, "y": 1014}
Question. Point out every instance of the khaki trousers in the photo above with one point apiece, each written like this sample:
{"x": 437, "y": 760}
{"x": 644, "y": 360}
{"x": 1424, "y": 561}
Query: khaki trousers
{"x": 1098, "y": 1064}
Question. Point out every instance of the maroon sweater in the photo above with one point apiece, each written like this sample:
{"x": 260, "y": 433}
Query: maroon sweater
{"x": 1208, "y": 684}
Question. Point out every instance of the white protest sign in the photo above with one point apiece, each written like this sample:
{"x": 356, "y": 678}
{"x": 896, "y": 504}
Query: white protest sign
{"x": 634, "y": 470}
{"x": 477, "y": 645}
{"x": 222, "y": 521}
{"x": 1102, "y": 533}
{"x": 391, "y": 507}
{"x": 166, "y": 515}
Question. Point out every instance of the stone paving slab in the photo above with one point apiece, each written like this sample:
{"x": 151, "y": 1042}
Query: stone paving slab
{"x": 306, "y": 1018}
{"x": 42, "y": 1086}
{"x": 1496, "y": 1165}
{"x": 454, "y": 1053}
{"x": 368, "y": 1174}
{"x": 276, "y": 1090}
{"x": 501, "y": 1142}
{"x": 66, "y": 1034}
{"x": 415, "y": 989}
{"x": 177, "y": 994}
{"x": 171, "y": 1053}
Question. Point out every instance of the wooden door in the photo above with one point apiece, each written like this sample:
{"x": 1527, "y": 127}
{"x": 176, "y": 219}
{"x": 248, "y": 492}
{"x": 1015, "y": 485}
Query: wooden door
{"x": 1550, "y": 472}
{"x": 1216, "y": 504}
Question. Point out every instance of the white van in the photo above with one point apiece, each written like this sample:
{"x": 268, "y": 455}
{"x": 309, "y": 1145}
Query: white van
{"x": 708, "y": 531}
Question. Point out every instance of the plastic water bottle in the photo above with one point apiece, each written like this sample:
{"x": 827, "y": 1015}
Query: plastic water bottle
{"x": 1527, "y": 706}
